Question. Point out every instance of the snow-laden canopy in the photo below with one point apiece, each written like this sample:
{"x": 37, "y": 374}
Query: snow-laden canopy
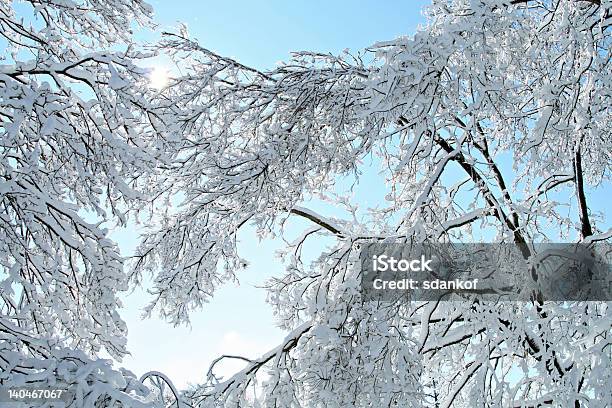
{"x": 509, "y": 99}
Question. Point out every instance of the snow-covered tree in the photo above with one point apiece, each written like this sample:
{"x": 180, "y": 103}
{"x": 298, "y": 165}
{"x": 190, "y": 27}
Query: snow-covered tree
{"x": 508, "y": 99}
{"x": 79, "y": 145}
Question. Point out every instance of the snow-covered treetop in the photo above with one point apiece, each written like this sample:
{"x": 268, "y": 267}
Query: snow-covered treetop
{"x": 508, "y": 99}
{"x": 529, "y": 81}
{"x": 79, "y": 149}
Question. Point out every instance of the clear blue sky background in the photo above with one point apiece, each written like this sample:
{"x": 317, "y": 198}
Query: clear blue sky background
{"x": 259, "y": 34}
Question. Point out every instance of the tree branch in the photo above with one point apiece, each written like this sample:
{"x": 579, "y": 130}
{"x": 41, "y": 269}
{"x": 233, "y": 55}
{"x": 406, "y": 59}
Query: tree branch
{"x": 583, "y": 210}
{"x": 309, "y": 215}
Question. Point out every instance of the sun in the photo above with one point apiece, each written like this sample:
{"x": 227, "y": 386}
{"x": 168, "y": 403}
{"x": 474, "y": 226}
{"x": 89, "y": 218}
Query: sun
{"x": 159, "y": 78}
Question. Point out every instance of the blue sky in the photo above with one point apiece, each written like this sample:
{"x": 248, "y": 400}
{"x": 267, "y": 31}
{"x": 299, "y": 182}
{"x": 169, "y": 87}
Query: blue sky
{"x": 259, "y": 34}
